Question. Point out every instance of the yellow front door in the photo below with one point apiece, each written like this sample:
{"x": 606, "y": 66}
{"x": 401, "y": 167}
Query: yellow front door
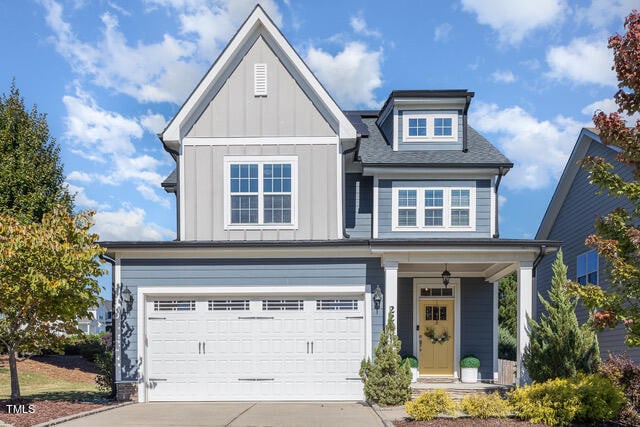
{"x": 436, "y": 337}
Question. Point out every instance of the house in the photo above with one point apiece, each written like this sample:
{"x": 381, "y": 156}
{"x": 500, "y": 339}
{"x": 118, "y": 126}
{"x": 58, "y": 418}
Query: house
{"x": 300, "y": 226}
{"x": 570, "y": 218}
{"x": 99, "y": 320}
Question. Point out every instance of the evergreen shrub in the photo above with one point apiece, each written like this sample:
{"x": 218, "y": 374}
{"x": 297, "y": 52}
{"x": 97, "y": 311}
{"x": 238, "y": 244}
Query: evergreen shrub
{"x": 485, "y": 406}
{"x": 430, "y": 404}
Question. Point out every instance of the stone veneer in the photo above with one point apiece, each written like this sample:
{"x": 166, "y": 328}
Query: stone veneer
{"x": 126, "y": 392}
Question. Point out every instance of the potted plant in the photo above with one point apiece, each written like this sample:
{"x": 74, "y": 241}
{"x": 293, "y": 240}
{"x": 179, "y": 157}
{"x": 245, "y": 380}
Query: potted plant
{"x": 413, "y": 365}
{"x": 469, "y": 369}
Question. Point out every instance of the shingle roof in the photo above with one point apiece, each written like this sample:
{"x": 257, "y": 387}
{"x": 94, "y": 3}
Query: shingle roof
{"x": 170, "y": 181}
{"x": 375, "y": 151}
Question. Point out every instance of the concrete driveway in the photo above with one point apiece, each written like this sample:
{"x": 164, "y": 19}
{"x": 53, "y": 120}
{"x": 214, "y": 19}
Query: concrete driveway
{"x": 235, "y": 414}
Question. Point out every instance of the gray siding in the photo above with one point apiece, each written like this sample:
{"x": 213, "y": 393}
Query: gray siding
{"x": 236, "y": 112}
{"x": 317, "y": 192}
{"x": 385, "y": 215}
{"x": 406, "y": 328}
{"x": 330, "y": 272}
{"x": 476, "y": 326}
{"x": 387, "y": 128}
{"x": 420, "y": 146}
{"x": 574, "y": 223}
{"x": 358, "y": 205}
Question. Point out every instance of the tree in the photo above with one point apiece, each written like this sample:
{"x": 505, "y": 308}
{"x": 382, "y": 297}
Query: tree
{"x": 48, "y": 273}
{"x": 617, "y": 237}
{"x": 387, "y": 380}
{"x": 31, "y": 173}
{"x": 508, "y": 317}
{"x": 558, "y": 346}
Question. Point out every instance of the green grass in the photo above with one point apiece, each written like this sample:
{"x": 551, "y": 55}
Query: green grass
{"x": 39, "y": 386}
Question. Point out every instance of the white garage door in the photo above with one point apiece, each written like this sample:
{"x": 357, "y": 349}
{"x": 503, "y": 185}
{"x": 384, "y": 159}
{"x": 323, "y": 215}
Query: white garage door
{"x": 237, "y": 348}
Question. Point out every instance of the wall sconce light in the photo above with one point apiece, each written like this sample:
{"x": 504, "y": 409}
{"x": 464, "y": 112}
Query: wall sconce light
{"x": 127, "y": 297}
{"x": 377, "y": 298}
{"x": 446, "y": 276}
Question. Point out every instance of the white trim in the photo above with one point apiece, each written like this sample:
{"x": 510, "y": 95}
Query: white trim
{"x": 257, "y": 22}
{"x": 146, "y": 291}
{"x": 368, "y": 327}
{"x": 394, "y": 129}
{"x": 390, "y": 289}
{"x": 262, "y": 140}
{"x": 115, "y": 316}
{"x": 340, "y": 193}
{"x": 495, "y": 330}
{"x": 430, "y": 118}
{"x": 437, "y": 283}
{"x": 375, "y": 207}
{"x": 182, "y": 200}
{"x": 493, "y": 211}
{"x": 525, "y": 308}
{"x": 446, "y": 208}
{"x": 428, "y": 172}
{"x": 261, "y": 161}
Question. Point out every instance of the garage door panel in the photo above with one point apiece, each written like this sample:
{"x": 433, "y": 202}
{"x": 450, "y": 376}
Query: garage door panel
{"x": 292, "y": 348}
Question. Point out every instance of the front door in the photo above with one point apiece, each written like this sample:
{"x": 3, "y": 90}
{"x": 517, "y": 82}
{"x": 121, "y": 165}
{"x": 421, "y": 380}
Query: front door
{"x": 436, "y": 337}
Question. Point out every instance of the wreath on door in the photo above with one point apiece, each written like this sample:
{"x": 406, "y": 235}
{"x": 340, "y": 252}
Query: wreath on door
{"x": 440, "y": 339}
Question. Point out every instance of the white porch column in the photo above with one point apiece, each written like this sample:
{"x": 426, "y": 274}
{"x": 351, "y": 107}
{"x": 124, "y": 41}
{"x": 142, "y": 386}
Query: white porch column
{"x": 525, "y": 308}
{"x": 391, "y": 289}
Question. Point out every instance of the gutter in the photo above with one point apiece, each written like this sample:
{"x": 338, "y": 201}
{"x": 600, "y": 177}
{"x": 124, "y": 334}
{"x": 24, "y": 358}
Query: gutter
{"x": 344, "y": 189}
{"x": 464, "y": 124}
{"x": 112, "y": 261}
{"x": 538, "y": 259}
{"x": 496, "y": 226}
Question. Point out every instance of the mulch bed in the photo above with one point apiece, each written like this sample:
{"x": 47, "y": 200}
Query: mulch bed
{"x": 71, "y": 368}
{"x": 474, "y": 422}
{"x": 39, "y": 411}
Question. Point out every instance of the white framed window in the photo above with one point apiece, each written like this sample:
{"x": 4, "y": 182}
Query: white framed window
{"x": 430, "y": 127}
{"x": 434, "y": 208}
{"x": 587, "y": 268}
{"x": 261, "y": 192}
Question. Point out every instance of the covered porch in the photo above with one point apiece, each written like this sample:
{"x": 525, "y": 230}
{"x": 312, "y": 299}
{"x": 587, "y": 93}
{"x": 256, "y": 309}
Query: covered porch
{"x": 440, "y": 317}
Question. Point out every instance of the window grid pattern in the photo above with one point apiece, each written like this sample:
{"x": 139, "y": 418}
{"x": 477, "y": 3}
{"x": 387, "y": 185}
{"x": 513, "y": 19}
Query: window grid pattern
{"x": 436, "y": 292}
{"x": 442, "y": 126}
{"x": 174, "y": 305}
{"x": 336, "y": 304}
{"x": 417, "y": 127}
{"x": 277, "y": 193}
{"x": 282, "y": 304}
{"x": 460, "y": 205}
{"x": 244, "y": 193}
{"x": 407, "y": 204}
{"x": 228, "y": 304}
{"x": 434, "y": 208}
{"x": 587, "y": 268}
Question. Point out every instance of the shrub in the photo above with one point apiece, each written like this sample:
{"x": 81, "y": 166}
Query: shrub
{"x": 470, "y": 362}
{"x": 507, "y": 344}
{"x": 104, "y": 363}
{"x": 387, "y": 380}
{"x": 586, "y": 398}
{"x": 625, "y": 374}
{"x": 486, "y": 406}
{"x": 429, "y": 404}
{"x": 85, "y": 345}
{"x": 413, "y": 361}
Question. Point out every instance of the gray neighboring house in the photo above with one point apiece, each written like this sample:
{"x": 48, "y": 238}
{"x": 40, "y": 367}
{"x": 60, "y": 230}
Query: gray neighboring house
{"x": 300, "y": 226}
{"x": 570, "y": 218}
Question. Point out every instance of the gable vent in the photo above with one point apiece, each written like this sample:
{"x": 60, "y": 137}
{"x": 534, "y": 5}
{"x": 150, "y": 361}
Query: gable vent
{"x": 260, "y": 79}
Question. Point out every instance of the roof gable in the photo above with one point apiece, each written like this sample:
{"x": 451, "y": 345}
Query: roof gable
{"x": 585, "y": 139}
{"x": 258, "y": 24}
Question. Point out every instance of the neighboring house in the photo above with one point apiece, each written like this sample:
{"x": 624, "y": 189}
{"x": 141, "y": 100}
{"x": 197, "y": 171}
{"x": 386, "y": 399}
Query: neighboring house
{"x": 300, "y": 226}
{"x": 99, "y": 321}
{"x": 570, "y": 218}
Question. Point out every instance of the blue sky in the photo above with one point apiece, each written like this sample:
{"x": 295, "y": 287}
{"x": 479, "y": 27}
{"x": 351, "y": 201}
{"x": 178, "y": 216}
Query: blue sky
{"x": 110, "y": 74}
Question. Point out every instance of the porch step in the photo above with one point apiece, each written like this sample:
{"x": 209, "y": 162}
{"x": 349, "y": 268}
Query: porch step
{"x": 437, "y": 380}
{"x": 456, "y": 389}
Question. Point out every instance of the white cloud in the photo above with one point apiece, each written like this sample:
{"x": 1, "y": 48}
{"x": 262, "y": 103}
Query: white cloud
{"x": 608, "y": 105}
{"x": 442, "y": 31}
{"x": 582, "y": 62}
{"x": 513, "y": 20}
{"x": 538, "y": 148}
{"x": 502, "y": 200}
{"x": 601, "y": 12}
{"x": 81, "y": 199}
{"x": 153, "y": 123}
{"x": 150, "y": 194}
{"x": 351, "y": 76}
{"x": 79, "y": 176}
{"x": 359, "y": 26}
{"x": 128, "y": 223}
{"x": 503, "y": 76}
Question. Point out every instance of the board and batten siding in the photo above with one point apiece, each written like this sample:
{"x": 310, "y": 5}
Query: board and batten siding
{"x": 317, "y": 201}
{"x": 235, "y": 111}
{"x": 575, "y": 221}
{"x": 385, "y": 209}
{"x": 428, "y": 145}
{"x": 476, "y": 323}
{"x": 358, "y": 205}
{"x": 329, "y": 272}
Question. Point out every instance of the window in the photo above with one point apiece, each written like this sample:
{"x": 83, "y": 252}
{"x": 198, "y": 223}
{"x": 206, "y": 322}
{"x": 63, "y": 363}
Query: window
{"x": 336, "y": 304}
{"x": 433, "y": 209}
{"x": 430, "y": 127}
{"x": 174, "y": 305}
{"x": 282, "y": 304}
{"x": 587, "y": 268}
{"x": 261, "y": 192}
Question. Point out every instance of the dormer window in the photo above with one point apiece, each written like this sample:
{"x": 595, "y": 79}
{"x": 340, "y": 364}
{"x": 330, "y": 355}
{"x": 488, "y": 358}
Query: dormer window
{"x": 430, "y": 127}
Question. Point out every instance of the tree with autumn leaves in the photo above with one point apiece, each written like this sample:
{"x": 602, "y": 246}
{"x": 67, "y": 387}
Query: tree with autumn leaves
{"x": 49, "y": 259}
{"x": 617, "y": 235}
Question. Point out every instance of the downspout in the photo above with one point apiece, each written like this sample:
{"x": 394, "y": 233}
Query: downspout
{"x": 344, "y": 191}
{"x": 113, "y": 323}
{"x": 539, "y": 258}
{"x": 175, "y": 154}
{"x": 464, "y": 125}
{"x": 497, "y": 230}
